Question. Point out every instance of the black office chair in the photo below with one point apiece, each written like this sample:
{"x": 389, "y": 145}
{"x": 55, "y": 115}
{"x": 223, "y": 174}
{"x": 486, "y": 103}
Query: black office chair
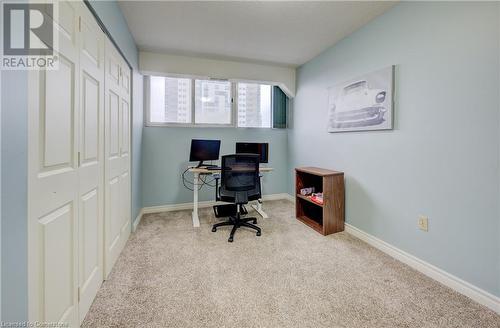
{"x": 240, "y": 183}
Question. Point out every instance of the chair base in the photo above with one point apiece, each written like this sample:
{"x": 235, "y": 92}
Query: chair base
{"x": 237, "y": 222}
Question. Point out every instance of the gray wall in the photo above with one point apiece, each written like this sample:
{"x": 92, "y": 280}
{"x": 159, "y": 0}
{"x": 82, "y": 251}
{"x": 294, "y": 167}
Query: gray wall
{"x": 14, "y": 256}
{"x": 166, "y": 155}
{"x": 112, "y": 17}
{"x": 442, "y": 158}
{"x": 137, "y": 124}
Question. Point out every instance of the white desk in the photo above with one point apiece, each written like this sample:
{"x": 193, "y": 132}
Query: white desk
{"x": 197, "y": 171}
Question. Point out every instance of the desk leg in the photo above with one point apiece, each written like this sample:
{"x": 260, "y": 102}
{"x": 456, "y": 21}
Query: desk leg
{"x": 196, "y": 219}
{"x": 258, "y": 207}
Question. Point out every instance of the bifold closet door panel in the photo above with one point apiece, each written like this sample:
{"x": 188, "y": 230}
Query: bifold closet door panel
{"x": 91, "y": 171}
{"x": 53, "y": 204}
{"x": 125, "y": 150}
{"x": 117, "y": 223}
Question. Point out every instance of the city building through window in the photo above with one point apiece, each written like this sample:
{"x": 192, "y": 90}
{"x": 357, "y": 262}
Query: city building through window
{"x": 254, "y": 105}
{"x": 184, "y": 101}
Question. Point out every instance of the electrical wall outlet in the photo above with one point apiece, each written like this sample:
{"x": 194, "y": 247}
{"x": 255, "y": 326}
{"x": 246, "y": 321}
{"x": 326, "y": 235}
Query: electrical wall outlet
{"x": 423, "y": 223}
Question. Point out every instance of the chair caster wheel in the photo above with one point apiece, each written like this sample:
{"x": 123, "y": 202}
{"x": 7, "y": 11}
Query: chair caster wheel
{"x": 214, "y": 229}
{"x": 258, "y": 233}
{"x": 230, "y": 240}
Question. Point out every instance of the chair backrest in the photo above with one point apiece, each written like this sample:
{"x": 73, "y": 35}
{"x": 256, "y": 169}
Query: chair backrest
{"x": 240, "y": 172}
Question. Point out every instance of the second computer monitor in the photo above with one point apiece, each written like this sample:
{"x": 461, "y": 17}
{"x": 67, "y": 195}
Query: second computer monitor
{"x": 262, "y": 149}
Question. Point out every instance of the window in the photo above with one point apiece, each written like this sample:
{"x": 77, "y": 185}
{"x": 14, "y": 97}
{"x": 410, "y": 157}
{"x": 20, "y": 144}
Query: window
{"x": 254, "y": 105}
{"x": 212, "y": 102}
{"x": 170, "y": 100}
{"x": 193, "y": 102}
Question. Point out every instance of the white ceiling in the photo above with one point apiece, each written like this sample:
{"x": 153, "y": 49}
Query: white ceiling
{"x": 288, "y": 33}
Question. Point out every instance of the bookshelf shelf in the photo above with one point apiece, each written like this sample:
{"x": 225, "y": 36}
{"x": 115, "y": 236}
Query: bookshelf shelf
{"x": 307, "y": 199}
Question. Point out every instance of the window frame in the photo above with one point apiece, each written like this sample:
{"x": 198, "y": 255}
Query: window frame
{"x": 233, "y": 95}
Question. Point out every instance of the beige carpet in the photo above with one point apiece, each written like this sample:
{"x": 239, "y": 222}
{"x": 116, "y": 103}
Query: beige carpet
{"x": 171, "y": 275}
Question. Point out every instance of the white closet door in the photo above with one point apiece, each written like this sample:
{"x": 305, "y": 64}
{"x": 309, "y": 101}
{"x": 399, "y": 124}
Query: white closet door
{"x": 78, "y": 169}
{"x": 53, "y": 177}
{"x": 125, "y": 151}
{"x": 117, "y": 168}
{"x": 91, "y": 172}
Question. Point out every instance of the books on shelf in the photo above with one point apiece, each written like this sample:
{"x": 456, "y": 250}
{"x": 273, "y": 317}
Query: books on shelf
{"x": 317, "y": 198}
{"x": 306, "y": 191}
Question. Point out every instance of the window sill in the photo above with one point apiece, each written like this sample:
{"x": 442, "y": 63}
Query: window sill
{"x": 180, "y": 125}
{"x": 225, "y": 126}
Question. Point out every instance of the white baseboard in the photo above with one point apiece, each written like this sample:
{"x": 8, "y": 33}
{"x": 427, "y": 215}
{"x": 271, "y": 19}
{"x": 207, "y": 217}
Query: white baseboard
{"x": 137, "y": 220}
{"x": 276, "y": 197}
{"x": 463, "y": 287}
{"x": 189, "y": 206}
{"x": 290, "y": 198}
{"x": 175, "y": 207}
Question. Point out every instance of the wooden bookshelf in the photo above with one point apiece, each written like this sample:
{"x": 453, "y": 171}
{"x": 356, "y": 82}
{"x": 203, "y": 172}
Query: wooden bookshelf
{"x": 327, "y": 218}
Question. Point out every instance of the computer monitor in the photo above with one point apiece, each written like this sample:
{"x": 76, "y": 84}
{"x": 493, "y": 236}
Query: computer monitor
{"x": 204, "y": 150}
{"x": 261, "y": 149}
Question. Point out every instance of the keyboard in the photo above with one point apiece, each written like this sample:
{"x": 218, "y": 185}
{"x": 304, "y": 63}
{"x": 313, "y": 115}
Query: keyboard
{"x": 213, "y": 168}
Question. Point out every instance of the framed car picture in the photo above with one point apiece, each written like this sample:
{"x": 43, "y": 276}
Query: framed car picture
{"x": 362, "y": 104}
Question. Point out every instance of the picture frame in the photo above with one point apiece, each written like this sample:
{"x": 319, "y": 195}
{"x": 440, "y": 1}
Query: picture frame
{"x": 364, "y": 103}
